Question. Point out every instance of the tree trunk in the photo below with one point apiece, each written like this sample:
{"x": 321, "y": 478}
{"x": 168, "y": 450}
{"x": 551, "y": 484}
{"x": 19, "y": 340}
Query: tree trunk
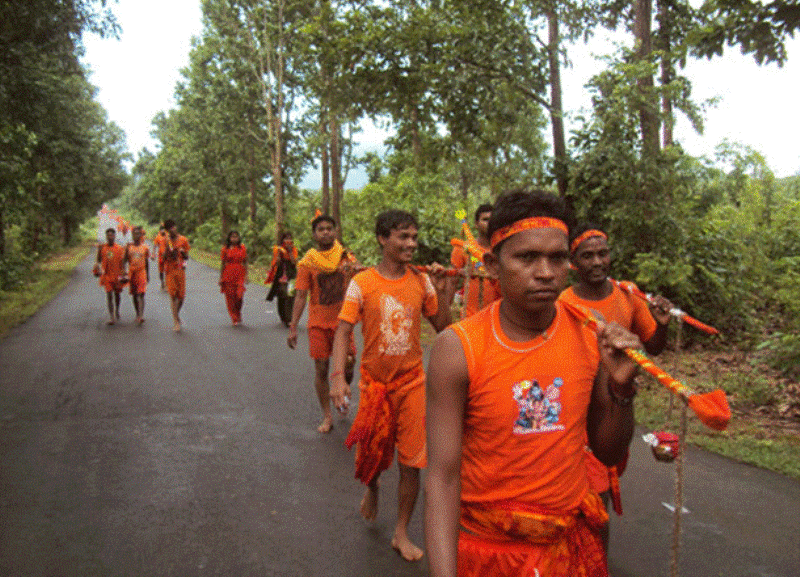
{"x": 667, "y": 73}
{"x": 66, "y": 230}
{"x": 556, "y": 109}
{"x": 251, "y": 178}
{"x": 336, "y": 173}
{"x": 324, "y": 160}
{"x": 647, "y": 116}
{"x": 2, "y": 235}
{"x": 277, "y": 170}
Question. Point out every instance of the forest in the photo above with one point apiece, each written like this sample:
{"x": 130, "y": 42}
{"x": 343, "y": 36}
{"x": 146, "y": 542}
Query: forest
{"x": 471, "y": 93}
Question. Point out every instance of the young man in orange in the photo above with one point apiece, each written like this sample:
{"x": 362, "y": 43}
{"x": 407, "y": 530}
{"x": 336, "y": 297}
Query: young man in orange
{"x": 174, "y": 257}
{"x": 110, "y": 267}
{"x": 479, "y": 291}
{"x": 512, "y": 393}
{"x": 159, "y": 244}
{"x": 322, "y": 275}
{"x": 390, "y": 300}
{"x": 590, "y": 257}
{"x": 136, "y": 255}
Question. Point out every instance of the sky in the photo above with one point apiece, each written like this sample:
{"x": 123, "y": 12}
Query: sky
{"x": 136, "y": 77}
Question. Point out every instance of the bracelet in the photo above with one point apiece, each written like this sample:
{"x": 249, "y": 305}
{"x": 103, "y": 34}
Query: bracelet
{"x": 336, "y": 374}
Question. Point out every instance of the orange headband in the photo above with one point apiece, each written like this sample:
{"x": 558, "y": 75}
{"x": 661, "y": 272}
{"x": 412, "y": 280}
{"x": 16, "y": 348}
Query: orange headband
{"x": 588, "y": 234}
{"x": 526, "y": 224}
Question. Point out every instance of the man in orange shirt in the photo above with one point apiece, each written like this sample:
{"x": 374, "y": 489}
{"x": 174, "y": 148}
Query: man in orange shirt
{"x": 174, "y": 258}
{"x": 159, "y": 244}
{"x": 111, "y": 270}
{"x": 323, "y": 275}
{"x": 390, "y": 300}
{"x": 136, "y": 255}
{"x": 479, "y": 289}
{"x": 512, "y": 393}
{"x": 590, "y": 257}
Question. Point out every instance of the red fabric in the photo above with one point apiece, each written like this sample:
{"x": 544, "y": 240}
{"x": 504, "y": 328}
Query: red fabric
{"x": 232, "y": 279}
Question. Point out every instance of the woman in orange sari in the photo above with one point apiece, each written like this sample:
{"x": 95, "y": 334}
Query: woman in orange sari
{"x": 233, "y": 275}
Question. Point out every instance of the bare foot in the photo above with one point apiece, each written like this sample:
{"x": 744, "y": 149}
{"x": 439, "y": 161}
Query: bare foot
{"x": 326, "y": 425}
{"x": 177, "y": 327}
{"x": 406, "y": 548}
{"x": 369, "y": 503}
{"x": 141, "y": 320}
{"x": 110, "y": 322}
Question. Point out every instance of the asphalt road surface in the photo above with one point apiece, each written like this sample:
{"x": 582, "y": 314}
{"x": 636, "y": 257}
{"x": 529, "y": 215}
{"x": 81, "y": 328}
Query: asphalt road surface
{"x": 132, "y": 450}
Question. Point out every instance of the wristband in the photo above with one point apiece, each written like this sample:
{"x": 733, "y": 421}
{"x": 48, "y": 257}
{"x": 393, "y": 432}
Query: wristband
{"x": 336, "y": 374}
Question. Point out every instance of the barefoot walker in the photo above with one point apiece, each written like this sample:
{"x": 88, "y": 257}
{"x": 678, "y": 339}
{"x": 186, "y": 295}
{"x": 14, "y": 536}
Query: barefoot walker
{"x": 390, "y": 301}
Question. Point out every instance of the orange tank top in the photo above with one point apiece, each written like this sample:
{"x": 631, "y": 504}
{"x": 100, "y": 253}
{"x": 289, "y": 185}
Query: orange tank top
{"x": 525, "y": 415}
{"x": 137, "y": 256}
{"x": 622, "y": 308}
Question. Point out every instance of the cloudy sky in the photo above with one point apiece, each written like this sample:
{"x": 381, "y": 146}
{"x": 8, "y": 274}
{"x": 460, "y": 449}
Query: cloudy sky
{"x": 136, "y": 77}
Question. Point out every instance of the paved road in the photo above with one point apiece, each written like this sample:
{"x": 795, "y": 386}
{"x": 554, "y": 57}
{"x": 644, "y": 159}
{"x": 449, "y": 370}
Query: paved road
{"x": 132, "y": 450}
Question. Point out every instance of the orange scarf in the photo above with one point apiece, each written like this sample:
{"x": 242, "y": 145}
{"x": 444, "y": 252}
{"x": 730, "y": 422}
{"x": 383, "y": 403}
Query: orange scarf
{"x": 324, "y": 260}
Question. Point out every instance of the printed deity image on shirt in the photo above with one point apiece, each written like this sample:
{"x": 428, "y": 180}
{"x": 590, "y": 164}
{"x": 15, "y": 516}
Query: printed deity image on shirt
{"x": 539, "y": 409}
{"x": 395, "y": 327}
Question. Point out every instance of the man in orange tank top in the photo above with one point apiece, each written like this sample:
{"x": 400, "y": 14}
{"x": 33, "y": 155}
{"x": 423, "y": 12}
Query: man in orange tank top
{"x": 590, "y": 257}
{"x": 390, "y": 300}
{"x": 110, "y": 267}
{"x": 174, "y": 258}
{"x": 136, "y": 255}
{"x": 513, "y": 392}
{"x": 159, "y": 245}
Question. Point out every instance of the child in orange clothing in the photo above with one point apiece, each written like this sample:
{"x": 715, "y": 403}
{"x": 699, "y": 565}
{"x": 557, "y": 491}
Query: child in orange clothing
{"x": 110, "y": 267}
{"x": 512, "y": 393}
{"x": 390, "y": 299}
{"x": 136, "y": 255}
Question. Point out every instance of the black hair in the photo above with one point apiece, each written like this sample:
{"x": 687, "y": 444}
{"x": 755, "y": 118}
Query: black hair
{"x": 521, "y": 203}
{"x": 485, "y": 207}
{"x": 114, "y": 230}
{"x": 322, "y": 218}
{"x": 228, "y": 238}
{"x": 168, "y": 224}
{"x": 284, "y": 234}
{"x": 392, "y": 219}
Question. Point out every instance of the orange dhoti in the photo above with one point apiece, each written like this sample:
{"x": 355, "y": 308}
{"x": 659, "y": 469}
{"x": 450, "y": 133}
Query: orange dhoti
{"x": 388, "y": 416}
{"x": 176, "y": 283}
{"x": 513, "y": 539}
{"x": 138, "y": 281}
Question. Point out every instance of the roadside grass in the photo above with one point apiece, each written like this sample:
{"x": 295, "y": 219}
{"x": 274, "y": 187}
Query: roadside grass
{"x": 46, "y": 279}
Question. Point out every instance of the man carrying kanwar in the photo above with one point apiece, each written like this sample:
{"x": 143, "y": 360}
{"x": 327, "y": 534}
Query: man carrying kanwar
{"x": 480, "y": 289}
{"x": 390, "y": 300}
{"x": 513, "y": 392}
{"x": 174, "y": 257}
{"x": 590, "y": 257}
{"x": 322, "y": 275}
{"x": 136, "y": 254}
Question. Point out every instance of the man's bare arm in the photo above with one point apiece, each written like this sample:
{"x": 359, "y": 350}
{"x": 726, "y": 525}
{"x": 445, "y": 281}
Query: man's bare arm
{"x": 340, "y": 388}
{"x": 448, "y": 380}
{"x": 297, "y": 312}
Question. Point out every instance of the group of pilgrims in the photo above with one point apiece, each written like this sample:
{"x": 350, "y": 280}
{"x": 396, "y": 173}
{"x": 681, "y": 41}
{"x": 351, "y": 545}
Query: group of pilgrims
{"x": 524, "y": 413}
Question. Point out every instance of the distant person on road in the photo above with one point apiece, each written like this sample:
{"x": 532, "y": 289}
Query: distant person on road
{"x": 512, "y": 393}
{"x": 160, "y": 244}
{"x": 136, "y": 255}
{"x": 175, "y": 255}
{"x": 110, "y": 267}
{"x": 590, "y": 256}
{"x": 233, "y": 275}
{"x": 390, "y": 300}
{"x": 479, "y": 289}
{"x": 322, "y": 275}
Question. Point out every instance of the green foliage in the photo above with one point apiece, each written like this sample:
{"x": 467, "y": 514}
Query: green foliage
{"x": 14, "y": 270}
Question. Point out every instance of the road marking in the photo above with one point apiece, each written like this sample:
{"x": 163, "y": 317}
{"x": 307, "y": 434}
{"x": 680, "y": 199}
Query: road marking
{"x": 672, "y": 507}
